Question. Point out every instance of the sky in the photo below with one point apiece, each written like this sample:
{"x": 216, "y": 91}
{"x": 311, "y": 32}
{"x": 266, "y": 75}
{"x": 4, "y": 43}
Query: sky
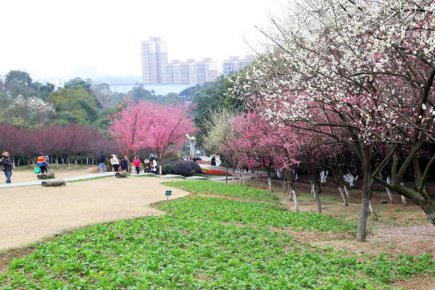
{"x": 57, "y": 38}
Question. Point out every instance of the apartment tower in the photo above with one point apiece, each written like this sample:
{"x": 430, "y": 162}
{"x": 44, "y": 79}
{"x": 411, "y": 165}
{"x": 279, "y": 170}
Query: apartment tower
{"x": 154, "y": 58}
{"x": 235, "y": 64}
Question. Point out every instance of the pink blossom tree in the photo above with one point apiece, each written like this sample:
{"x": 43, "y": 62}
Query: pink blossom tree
{"x": 130, "y": 126}
{"x": 256, "y": 142}
{"x": 161, "y": 128}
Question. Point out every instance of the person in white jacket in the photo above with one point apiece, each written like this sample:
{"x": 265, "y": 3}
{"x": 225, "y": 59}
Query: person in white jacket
{"x": 114, "y": 162}
{"x": 154, "y": 166}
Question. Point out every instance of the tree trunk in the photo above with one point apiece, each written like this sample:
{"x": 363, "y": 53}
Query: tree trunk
{"x": 318, "y": 203}
{"x": 365, "y": 194}
{"x": 121, "y": 174}
{"x": 269, "y": 179}
{"x": 234, "y": 170}
{"x": 295, "y": 200}
{"x": 362, "y": 225}
{"x": 53, "y": 182}
{"x": 346, "y": 192}
{"x": 389, "y": 192}
{"x": 315, "y": 192}
{"x": 372, "y": 210}
{"x": 429, "y": 210}
{"x": 390, "y": 196}
{"x": 226, "y": 176}
{"x": 404, "y": 202}
{"x": 343, "y": 196}
{"x": 403, "y": 197}
{"x": 241, "y": 176}
{"x": 312, "y": 188}
{"x": 48, "y": 175}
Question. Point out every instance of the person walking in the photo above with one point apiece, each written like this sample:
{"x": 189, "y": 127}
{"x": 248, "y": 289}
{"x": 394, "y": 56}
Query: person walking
{"x": 136, "y": 164}
{"x": 47, "y": 161}
{"x": 124, "y": 163}
{"x": 6, "y": 164}
{"x": 114, "y": 162}
{"x": 109, "y": 164}
{"x": 154, "y": 165}
{"x": 128, "y": 162}
{"x": 102, "y": 164}
{"x": 146, "y": 165}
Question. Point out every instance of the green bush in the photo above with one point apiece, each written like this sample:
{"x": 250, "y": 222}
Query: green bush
{"x": 167, "y": 168}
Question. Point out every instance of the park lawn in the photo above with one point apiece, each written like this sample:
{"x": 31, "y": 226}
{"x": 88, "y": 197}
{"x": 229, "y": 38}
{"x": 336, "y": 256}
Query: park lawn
{"x": 207, "y": 243}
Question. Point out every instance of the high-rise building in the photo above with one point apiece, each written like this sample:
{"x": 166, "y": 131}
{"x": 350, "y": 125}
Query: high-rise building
{"x": 235, "y": 64}
{"x": 156, "y": 70}
{"x": 190, "y": 72}
{"x": 154, "y": 58}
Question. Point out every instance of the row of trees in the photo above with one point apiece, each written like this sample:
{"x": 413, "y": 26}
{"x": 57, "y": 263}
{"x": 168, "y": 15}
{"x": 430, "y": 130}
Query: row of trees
{"x": 62, "y": 143}
{"x": 31, "y": 104}
{"x": 358, "y": 76}
{"x": 28, "y": 111}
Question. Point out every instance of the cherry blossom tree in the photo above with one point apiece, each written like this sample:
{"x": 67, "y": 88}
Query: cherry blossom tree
{"x": 130, "y": 126}
{"x": 168, "y": 127}
{"x": 255, "y": 142}
{"x": 161, "y": 128}
{"x": 360, "y": 72}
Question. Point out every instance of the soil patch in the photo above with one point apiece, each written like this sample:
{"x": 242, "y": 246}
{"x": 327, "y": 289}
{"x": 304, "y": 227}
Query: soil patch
{"x": 399, "y": 230}
{"x": 29, "y": 214}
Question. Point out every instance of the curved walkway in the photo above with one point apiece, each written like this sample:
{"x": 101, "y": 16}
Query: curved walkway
{"x": 29, "y": 214}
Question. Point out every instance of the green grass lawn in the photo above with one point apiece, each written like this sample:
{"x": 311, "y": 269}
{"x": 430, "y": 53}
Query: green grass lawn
{"x": 207, "y": 243}
{"x": 230, "y": 190}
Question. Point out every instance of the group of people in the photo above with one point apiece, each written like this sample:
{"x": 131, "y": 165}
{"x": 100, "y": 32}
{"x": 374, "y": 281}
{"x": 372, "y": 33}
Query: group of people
{"x": 6, "y": 164}
{"x": 114, "y": 163}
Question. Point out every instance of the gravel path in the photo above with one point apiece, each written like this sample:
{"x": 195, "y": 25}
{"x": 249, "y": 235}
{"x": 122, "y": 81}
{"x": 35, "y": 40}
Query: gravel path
{"x": 29, "y": 214}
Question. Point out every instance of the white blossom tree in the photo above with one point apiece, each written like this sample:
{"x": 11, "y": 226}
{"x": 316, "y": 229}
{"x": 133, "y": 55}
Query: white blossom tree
{"x": 31, "y": 110}
{"x": 361, "y": 72}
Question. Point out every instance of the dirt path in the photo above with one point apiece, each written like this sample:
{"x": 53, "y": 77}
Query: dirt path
{"x": 29, "y": 214}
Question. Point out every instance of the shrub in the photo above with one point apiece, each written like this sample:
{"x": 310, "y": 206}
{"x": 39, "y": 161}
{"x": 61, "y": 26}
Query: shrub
{"x": 186, "y": 168}
{"x": 167, "y": 168}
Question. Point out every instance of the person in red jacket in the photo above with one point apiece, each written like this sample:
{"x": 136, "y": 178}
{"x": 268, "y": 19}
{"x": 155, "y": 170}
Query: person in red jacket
{"x": 136, "y": 164}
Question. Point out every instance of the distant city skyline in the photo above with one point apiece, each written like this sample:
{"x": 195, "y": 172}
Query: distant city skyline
{"x": 58, "y": 39}
{"x": 158, "y": 69}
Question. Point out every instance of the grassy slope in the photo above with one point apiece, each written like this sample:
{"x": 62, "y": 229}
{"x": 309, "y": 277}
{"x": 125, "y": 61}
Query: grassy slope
{"x": 207, "y": 242}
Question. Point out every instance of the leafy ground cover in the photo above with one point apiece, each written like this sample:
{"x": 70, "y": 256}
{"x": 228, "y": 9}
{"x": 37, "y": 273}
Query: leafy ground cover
{"x": 230, "y": 190}
{"x": 207, "y": 242}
